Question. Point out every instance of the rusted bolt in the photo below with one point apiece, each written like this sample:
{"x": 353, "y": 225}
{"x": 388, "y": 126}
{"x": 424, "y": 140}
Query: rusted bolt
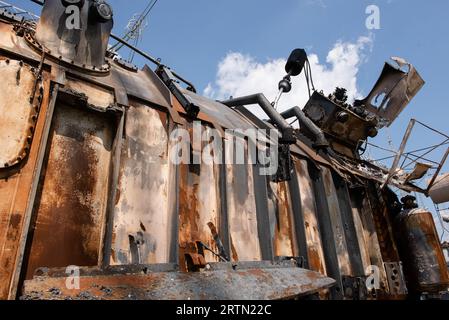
{"x": 32, "y": 129}
{"x": 7, "y": 61}
{"x": 6, "y": 165}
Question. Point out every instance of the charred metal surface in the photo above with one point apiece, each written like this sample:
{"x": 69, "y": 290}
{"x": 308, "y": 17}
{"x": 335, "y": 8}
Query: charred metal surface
{"x": 337, "y": 223}
{"x": 370, "y": 236}
{"x": 70, "y": 208}
{"x": 382, "y": 220}
{"x": 393, "y": 91}
{"x": 355, "y": 288}
{"x": 245, "y": 245}
{"x": 425, "y": 267}
{"x": 16, "y": 192}
{"x": 142, "y": 215}
{"x": 83, "y": 47}
{"x": 285, "y": 243}
{"x": 19, "y": 111}
{"x": 224, "y": 284}
{"x": 350, "y": 232}
{"x": 200, "y": 206}
{"x": 395, "y": 277}
{"x": 265, "y": 215}
{"x": 315, "y": 251}
{"x": 298, "y": 217}
{"x": 343, "y": 133}
{"x": 330, "y": 250}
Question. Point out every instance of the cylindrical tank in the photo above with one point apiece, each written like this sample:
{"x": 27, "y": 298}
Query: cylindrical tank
{"x": 421, "y": 253}
{"x": 440, "y": 190}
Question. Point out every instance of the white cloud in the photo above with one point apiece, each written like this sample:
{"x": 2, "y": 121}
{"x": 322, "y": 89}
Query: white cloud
{"x": 239, "y": 74}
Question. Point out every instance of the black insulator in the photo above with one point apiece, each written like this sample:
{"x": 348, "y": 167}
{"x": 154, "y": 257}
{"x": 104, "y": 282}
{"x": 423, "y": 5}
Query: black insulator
{"x": 285, "y": 85}
{"x": 295, "y": 62}
{"x": 101, "y": 11}
{"x": 372, "y": 132}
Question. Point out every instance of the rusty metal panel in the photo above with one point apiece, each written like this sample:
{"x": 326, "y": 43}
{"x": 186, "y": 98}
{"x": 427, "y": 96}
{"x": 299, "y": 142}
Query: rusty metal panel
{"x": 393, "y": 90}
{"x": 143, "y": 84}
{"x": 200, "y": 205}
{"x": 12, "y": 43}
{"x": 218, "y": 112}
{"x": 266, "y": 282}
{"x": 285, "y": 243}
{"x": 363, "y": 245}
{"x": 70, "y": 208}
{"x": 314, "y": 245}
{"x": 424, "y": 263}
{"x": 242, "y": 215}
{"x": 336, "y": 221}
{"x": 352, "y": 243}
{"x": 142, "y": 221}
{"x": 97, "y": 96}
{"x": 18, "y": 112}
{"x": 370, "y": 236}
{"x": 381, "y": 216}
{"x": 15, "y": 190}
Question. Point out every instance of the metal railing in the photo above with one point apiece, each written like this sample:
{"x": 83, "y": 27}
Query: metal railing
{"x": 18, "y": 12}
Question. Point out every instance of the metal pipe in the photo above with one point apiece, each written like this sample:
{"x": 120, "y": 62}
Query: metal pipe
{"x": 153, "y": 60}
{"x": 307, "y": 125}
{"x": 437, "y": 172}
{"x": 39, "y": 2}
{"x": 275, "y": 117}
{"x": 400, "y": 152}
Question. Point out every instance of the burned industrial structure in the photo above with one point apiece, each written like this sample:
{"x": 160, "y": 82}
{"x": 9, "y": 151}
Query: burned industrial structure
{"x": 78, "y": 126}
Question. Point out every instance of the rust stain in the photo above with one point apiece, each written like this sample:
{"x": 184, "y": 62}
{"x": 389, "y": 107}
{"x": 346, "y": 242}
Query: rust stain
{"x": 314, "y": 245}
{"x": 284, "y": 238}
{"x": 199, "y": 205}
{"x": 143, "y": 188}
{"x": 71, "y": 203}
{"x": 14, "y": 193}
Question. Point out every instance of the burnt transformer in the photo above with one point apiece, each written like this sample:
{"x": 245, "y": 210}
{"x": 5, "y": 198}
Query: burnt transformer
{"x": 91, "y": 185}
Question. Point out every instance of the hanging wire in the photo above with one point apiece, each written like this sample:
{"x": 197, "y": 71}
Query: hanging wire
{"x": 309, "y": 78}
{"x": 135, "y": 27}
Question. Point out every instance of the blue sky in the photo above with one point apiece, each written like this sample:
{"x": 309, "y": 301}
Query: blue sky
{"x": 195, "y": 36}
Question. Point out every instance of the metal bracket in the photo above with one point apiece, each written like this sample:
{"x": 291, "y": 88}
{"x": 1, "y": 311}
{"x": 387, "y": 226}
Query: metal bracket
{"x": 170, "y": 81}
{"x": 355, "y": 287}
{"x": 395, "y": 278}
{"x": 285, "y": 164}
